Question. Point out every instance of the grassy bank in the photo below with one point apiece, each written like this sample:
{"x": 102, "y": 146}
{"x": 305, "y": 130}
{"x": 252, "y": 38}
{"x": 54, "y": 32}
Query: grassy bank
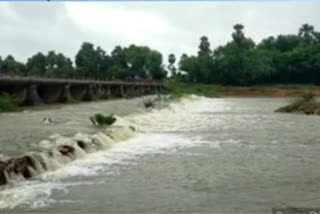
{"x": 6, "y": 103}
{"x": 178, "y": 89}
{"x": 181, "y": 88}
{"x": 306, "y": 104}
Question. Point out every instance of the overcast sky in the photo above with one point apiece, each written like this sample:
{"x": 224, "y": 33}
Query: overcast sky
{"x": 169, "y": 27}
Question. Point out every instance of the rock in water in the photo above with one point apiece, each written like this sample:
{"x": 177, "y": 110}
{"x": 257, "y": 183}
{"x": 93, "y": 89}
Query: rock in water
{"x": 66, "y": 150}
{"x": 3, "y": 178}
{"x": 21, "y": 165}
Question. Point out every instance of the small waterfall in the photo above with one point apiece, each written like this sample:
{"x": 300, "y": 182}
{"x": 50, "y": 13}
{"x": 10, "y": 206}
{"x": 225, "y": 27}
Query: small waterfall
{"x": 56, "y": 151}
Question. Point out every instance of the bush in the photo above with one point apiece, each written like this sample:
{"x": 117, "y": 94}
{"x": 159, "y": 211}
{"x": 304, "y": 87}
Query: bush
{"x": 149, "y": 104}
{"x": 101, "y": 119}
{"x": 309, "y": 97}
{"x": 6, "y": 103}
{"x": 306, "y": 98}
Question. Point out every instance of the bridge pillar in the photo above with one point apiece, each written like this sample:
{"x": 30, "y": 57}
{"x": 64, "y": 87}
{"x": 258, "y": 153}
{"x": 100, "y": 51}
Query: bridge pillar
{"x": 147, "y": 89}
{"x": 130, "y": 91}
{"x": 141, "y": 90}
{"x": 122, "y": 92}
{"x": 32, "y": 96}
{"x": 89, "y": 96}
{"x": 160, "y": 89}
{"x": 108, "y": 92}
{"x": 135, "y": 91}
{"x": 65, "y": 96}
{"x": 156, "y": 89}
{"x": 100, "y": 92}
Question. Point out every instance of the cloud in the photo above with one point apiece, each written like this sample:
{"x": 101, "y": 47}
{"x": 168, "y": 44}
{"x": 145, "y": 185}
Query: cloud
{"x": 176, "y": 27}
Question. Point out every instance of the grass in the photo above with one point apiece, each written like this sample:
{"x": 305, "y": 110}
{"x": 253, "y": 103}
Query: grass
{"x": 103, "y": 120}
{"x": 308, "y": 97}
{"x": 6, "y": 103}
{"x": 178, "y": 89}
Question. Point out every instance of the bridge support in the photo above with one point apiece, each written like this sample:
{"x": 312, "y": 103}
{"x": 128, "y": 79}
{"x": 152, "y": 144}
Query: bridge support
{"x": 107, "y": 92}
{"x": 122, "y": 91}
{"x": 134, "y": 91}
{"x": 32, "y": 96}
{"x": 65, "y": 94}
{"x": 130, "y": 91}
{"x": 89, "y": 96}
{"x": 32, "y": 91}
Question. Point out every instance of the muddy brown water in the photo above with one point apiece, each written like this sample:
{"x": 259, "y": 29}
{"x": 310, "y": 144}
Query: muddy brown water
{"x": 226, "y": 155}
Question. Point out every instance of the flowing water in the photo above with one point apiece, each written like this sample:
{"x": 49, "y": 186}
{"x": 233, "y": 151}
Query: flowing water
{"x": 198, "y": 155}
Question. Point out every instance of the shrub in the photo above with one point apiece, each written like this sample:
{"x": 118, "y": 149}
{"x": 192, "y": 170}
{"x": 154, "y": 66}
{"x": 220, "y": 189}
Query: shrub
{"x": 101, "y": 119}
{"x": 148, "y": 104}
{"x": 6, "y": 103}
{"x": 309, "y": 97}
{"x": 306, "y": 98}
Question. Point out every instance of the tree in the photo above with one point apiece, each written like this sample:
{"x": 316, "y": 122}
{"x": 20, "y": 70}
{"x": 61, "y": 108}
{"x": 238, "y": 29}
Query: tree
{"x": 238, "y": 35}
{"x": 204, "y": 47}
{"x": 171, "y": 61}
{"x": 306, "y": 32}
{"x": 37, "y": 64}
{"x": 11, "y": 66}
{"x": 1, "y": 62}
{"x": 190, "y": 65}
{"x": 86, "y": 60}
{"x": 63, "y": 66}
{"x": 154, "y": 65}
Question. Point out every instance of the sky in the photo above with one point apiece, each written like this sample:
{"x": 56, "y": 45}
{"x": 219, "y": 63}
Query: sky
{"x": 169, "y": 27}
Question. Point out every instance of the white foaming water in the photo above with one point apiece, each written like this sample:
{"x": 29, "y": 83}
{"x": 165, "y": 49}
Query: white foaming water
{"x": 153, "y": 140}
{"x": 179, "y": 116}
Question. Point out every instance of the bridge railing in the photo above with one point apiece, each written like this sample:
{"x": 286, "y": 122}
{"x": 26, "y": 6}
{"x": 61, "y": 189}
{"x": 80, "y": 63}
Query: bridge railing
{"x": 31, "y": 78}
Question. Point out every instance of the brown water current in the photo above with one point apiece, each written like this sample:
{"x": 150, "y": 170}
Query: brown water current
{"x": 229, "y": 155}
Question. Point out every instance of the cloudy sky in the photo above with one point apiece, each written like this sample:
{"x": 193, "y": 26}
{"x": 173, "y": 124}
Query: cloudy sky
{"x": 29, "y": 27}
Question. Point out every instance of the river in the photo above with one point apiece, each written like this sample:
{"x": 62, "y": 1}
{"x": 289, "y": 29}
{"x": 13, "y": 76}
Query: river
{"x": 226, "y": 155}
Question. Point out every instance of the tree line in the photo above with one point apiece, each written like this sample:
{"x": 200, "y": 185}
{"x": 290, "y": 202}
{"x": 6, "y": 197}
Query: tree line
{"x": 281, "y": 59}
{"x": 124, "y": 63}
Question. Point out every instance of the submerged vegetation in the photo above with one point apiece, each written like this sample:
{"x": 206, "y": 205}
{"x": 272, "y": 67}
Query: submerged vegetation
{"x": 6, "y": 103}
{"x": 307, "y": 104}
{"x": 103, "y": 120}
{"x": 148, "y": 103}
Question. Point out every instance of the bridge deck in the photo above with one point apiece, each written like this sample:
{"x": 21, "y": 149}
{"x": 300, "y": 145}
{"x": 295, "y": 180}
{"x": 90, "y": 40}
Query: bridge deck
{"x": 7, "y": 80}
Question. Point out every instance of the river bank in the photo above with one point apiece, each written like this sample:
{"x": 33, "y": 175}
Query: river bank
{"x": 179, "y": 89}
{"x": 278, "y": 90}
{"x": 306, "y": 104}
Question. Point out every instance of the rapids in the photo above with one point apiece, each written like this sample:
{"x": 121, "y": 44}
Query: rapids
{"x": 195, "y": 155}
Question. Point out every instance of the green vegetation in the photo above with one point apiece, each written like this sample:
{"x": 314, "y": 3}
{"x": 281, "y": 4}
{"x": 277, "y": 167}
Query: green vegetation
{"x": 124, "y": 63}
{"x": 178, "y": 89}
{"x": 282, "y": 59}
{"x": 286, "y": 59}
{"x": 6, "y": 103}
{"x": 102, "y": 120}
{"x": 305, "y": 104}
{"x": 308, "y": 97}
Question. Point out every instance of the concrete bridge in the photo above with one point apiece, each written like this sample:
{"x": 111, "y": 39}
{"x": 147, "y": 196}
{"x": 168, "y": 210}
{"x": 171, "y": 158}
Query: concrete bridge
{"x": 33, "y": 91}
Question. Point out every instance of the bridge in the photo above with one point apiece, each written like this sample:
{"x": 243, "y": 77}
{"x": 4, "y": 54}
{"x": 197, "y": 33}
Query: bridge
{"x": 34, "y": 90}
